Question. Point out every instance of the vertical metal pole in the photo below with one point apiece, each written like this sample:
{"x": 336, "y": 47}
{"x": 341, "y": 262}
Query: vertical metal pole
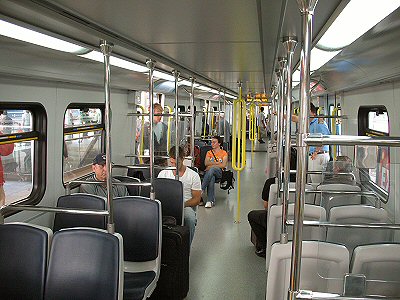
{"x": 290, "y": 45}
{"x": 219, "y": 113}
{"x": 106, "y": 49}
{"x": 176, "y": 75}
{"x": 307, "y": 10}
{"x": 150, "y": 64}
{"x": 226, "y": 137}
{"x": 279, "y": 158}
{"x": 192, "y": 119}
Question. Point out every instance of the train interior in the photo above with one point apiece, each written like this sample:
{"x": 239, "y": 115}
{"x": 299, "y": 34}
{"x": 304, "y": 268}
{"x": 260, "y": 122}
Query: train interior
{"x": 207, "y": 55}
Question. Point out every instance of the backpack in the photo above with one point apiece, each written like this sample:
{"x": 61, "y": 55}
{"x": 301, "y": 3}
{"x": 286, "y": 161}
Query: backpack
{"x": 227, "y": 180}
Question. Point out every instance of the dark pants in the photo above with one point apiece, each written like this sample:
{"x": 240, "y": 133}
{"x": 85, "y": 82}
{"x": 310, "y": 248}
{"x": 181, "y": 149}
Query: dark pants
{"x": 258, "y": 223}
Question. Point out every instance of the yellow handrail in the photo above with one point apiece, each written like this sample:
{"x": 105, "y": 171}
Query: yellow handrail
{"x": 169, "y": 128}
{"x": 333, "y": 126}
{"x": 141, "y": 147}
{"x": 252, "y": 129}
{"x": 239, "y": 142}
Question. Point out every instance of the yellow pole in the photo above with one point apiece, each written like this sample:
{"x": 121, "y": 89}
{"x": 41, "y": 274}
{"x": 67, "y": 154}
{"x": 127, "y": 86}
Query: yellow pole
{"x": 252, "y": 129}
{"x": 169, "y": 129}
{"x": 141, "y": 147}
{"x": 239, "y": 142}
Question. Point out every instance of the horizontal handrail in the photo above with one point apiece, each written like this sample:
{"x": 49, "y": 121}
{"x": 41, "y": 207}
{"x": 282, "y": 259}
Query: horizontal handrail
{"x": 145, "y": 156}
{"x": 114, "y": 183}
{"x": 347, "y": 225}
{"x": 55, "y": 209}
{"x": 350, "y": 140}
{"x": 325, "y": 296}
{"x": 143, "y": 167}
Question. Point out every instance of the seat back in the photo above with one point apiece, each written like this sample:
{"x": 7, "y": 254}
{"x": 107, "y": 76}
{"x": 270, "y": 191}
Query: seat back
{"x": 328, "y": 200}
{"x": 80, "y": 200}
{"x": 24, "y": 252}
{"x": 132, "y": 190}
{"x": 352, "y": 237}
{"x": 380, "y": 264}
{"x": 138, "y": 220}
{"x": 323, "y": 266}
{"x": 273, "y": 194}
{"x": 170, "y": 193}
{"x": 311, "y": 213}
{"x": 85, "y": 263}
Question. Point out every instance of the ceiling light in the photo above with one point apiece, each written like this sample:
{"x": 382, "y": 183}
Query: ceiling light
{"x": 203, "y": 88}
{"x": 357, "y": 17}
{"x": 165, "y": 76}
{"x": 320, "y": 57}
{"x": 115, "y": 61}
{"x": 30, "y": 36}
{"x": 230, "y": 96}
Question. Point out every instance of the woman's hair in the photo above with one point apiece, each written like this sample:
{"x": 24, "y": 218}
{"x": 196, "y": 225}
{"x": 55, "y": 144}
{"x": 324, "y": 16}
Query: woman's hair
{"x": 180, "y": 153}
{"x": 220, "y": 139}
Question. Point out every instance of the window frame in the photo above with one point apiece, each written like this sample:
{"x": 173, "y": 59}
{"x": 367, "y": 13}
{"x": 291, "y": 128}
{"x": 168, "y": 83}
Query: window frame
{"x": 39, "y": 137}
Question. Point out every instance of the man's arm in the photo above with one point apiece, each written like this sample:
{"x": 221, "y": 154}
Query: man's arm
{"x": 195, "y": 200}
{"x": 209, "y": 164}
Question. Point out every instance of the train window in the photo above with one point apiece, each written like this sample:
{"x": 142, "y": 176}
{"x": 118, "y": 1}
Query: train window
{"x": 374, "y": 121}
{"x": 22, "y": 153}
{"x": 83, "y": 140}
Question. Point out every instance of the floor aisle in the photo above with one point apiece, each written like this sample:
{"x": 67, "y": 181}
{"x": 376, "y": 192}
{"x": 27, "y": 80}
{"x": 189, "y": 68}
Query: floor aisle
{"x": 222, "y": 261}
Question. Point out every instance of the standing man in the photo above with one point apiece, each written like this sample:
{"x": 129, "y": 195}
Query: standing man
{"x": 318, "y": 156}
{"x": 191, "y": 188}
{"x": 160, "y": 135}
{"x": 100, "y": 175}
{"x": 262, "y": 125}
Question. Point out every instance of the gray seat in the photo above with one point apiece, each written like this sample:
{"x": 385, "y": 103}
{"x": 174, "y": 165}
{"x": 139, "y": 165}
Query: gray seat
{"x": 85, "y": 263}
{"x": 138, "y": 220}
{"x": 24, "y": 252}
{"x": 273, "y": 194}
{"x": 380, "y": 264}
{"x": 352, "y": 237}
{"x": 170, "y": 193}
{"x": 311, "y": 213}
{"x": 80, "y": 200}
{"x": 329, "y": 200}
{"x": 132, "y": 190}
{"x": 323, "y": 266}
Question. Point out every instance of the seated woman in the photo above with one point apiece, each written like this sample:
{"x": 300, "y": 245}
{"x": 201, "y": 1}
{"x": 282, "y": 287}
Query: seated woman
{"x": 216, "y": 160}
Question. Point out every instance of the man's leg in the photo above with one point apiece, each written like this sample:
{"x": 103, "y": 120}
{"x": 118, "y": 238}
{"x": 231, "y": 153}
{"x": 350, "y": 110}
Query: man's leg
{"x": 190, "y": 221}
{"x": 258, "y": 223}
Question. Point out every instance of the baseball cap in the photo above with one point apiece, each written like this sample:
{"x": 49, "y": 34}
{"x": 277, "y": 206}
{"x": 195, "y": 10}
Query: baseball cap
{"x": 100, "y": 159}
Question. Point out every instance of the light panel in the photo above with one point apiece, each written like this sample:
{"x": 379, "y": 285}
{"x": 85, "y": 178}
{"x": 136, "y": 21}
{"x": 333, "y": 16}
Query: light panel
{"x": 115, "y": 61}
{"x": 319, "y": 58}
{"x": 30, "y": 36}
{"x": 357, "y": 17}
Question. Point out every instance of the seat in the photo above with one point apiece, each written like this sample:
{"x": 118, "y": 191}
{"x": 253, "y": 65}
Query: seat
{"x": 352, "y": 237}
{"x": 138, "y": 220}
{"x": 323, "y": 266}
{"x": 80, "y": 200}
{"x": 132, "y": 190}
{"x": 203, "y": 152}
{"x": 85, "y": 263}
{"x": 311, "y": 213}
{"x": 273, "y": 194}
{"x": 328, "y": 200}
{"x": 24, "y": 252}
{"x": 170, "y": 193}
{"x": 380, "y": 264}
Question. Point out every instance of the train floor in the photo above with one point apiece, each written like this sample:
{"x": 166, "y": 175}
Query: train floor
{"x": 223, "y": 264}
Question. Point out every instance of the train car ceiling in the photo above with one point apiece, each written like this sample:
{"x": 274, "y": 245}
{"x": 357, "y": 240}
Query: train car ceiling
{"x": 218, "y": 42}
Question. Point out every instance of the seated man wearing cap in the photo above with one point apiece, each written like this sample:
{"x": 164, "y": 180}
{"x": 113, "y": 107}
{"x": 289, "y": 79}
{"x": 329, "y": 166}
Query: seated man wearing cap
{"x": 100, "y": 175}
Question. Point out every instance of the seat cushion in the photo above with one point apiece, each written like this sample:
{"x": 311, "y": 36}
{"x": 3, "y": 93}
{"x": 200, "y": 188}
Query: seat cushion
{"x": 135, "y": 284}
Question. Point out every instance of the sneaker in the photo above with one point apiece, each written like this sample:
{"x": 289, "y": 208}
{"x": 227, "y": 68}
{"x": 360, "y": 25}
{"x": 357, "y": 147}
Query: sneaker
{"x": 208, "y": 204}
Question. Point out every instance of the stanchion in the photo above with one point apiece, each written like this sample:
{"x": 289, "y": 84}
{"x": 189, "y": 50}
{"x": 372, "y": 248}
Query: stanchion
{"x": 252, "y": 129}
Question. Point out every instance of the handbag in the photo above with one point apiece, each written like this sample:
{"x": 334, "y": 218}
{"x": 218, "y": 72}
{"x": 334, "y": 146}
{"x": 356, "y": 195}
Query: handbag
{"x": 227, "y": 179}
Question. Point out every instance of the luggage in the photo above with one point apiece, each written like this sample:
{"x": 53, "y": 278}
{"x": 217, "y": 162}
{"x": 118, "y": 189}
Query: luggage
{"x": 173, "y": 283}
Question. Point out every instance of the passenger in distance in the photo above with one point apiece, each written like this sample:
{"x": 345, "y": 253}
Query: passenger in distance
{"x": 5, "y": 150}
{"x": 215, "y": 161}
{"x": 318, "y": 156}
{"x": 191, "y": 188}
{"x": 100, "y": 175}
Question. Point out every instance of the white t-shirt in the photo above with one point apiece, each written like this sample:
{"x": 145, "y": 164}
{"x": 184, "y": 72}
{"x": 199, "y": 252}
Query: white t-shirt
{"x": 190, "y": 181}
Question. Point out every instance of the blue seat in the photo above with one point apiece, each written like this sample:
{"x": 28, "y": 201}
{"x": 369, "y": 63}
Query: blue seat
{"x": 85, "y": 263}
{"x": 132, "y": 190}
{"x": 24, "y": 252}
{"x": 80, "y": 200}
{"x": 138, "y": 220}
{"x": 170, "y": 193}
